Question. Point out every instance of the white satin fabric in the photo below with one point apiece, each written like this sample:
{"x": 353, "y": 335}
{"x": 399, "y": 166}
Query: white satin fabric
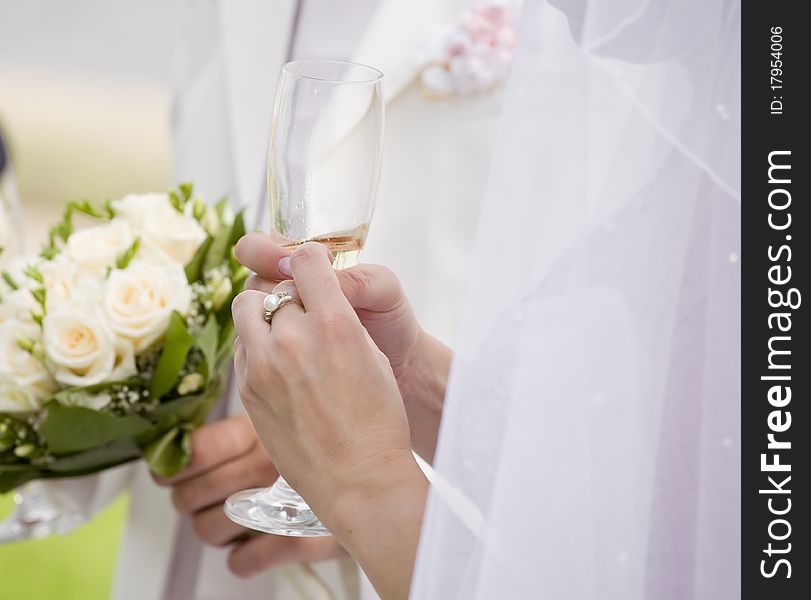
{"x": 590, "y": 442}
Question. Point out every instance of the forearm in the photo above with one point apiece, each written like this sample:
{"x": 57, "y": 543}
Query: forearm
{"x": 422, "y": 386}
{"x": 379, "y": 524}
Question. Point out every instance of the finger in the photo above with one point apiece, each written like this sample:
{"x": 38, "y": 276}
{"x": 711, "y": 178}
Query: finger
{"x": 261, "y": 255}
{"x": 371, "y": 287}
{"x": 215, "y": 485}
{"x": 290, "y": 312}
{"x": 265, "y": 551}
{"x": 261, "y": 284}
{"x": 214, "y": 528}
{"x": 214, "y": 444}
{"x": 315, "y": 279}
{"x": 248, "y": 311}
{"x": 289, "y": 288}
{"x": 240, "y": 361}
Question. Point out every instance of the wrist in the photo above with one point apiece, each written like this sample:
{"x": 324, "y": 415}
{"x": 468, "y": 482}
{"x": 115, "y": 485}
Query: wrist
{"x": 380, "y": 518}
{"x": 422, "y": 383}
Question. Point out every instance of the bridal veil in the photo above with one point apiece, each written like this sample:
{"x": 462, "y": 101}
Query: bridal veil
{"x": 590, "y": 443}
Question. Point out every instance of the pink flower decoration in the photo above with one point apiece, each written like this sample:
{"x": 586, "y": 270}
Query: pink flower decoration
{"x": 473, "y": 56}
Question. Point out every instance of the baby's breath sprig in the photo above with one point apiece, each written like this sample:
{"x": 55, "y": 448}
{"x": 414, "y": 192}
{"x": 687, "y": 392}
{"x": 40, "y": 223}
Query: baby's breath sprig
{"x": 19, "y": 439}
{"x": 129, "y": 399}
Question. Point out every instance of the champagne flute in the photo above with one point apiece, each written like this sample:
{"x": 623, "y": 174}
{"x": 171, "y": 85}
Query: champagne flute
{"x": 323, "y": 172}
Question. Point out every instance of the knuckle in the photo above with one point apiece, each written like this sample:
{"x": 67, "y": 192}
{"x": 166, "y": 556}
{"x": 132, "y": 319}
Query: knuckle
{"x": 234, "y": 438}
{"x": 333, "y": 322}
{"x": 286, "y": 342}
{"x": 308, "y": 252}
{"x": 358, "y": 282}
{"x": 240, "y": 562}
{"x": 387, "y": 276}
{"x": 257, "y": 283}
{"x": 240, "y": 301}
{"x": 183, "y": 497}
{"x": 202, "y": 527}
{"x": 336, "y": 327}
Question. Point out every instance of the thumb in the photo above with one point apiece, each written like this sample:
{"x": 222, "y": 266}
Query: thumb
{"x": 371, "y": 287}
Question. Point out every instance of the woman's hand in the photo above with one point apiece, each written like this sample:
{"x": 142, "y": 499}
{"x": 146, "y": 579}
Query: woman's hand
{"x": 419, "y": 362}
{"x": 324, "y": 400}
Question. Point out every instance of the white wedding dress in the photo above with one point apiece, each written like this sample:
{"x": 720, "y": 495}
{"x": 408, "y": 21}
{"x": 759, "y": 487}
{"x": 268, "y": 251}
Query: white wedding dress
{"x": 590, "y": 446}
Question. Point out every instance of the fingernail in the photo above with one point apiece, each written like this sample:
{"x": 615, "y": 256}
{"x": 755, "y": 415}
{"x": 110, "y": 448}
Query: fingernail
{"x": 284, "y": 266}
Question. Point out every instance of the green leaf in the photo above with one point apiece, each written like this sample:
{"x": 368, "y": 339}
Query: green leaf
{"x": 186, "y": 190}
{"x": 85, "y": 207}
{"x": 124, "y": 259}
{"x": 167, "y": 455}
{"x": 195, "y": 267}
{"x": 237, "y": 228}
{"x": 188, "y": 409}
{"x": 9, "y": 280}
{"x": 207, "y": 342}
{"x": 176, "y": 345}
{"x": 12, "y": 476}
{"x": 39, "y": 296}
{"x": 220, "y": 206}
{"x": 33, "y": 273}
{"x": 219, "y": 248}
{"x": 96, "y": 459}
{"x": 176, "y": 201}
{"x": 49, "y": 252}
{"x": 238, "y": 280}
{"x": 68, "y": 429}
{"x": 109, "y": 211}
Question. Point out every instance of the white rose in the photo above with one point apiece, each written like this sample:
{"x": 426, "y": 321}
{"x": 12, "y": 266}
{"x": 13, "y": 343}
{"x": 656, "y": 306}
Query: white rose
{"x": 94, "y": 249}
{"x": 15, "y": 398}
{"x": 81, "y": 350}
{"x": 168, "y": 236}
{"x": 139, "y": 300}
{"x": 21, "y": 366}
{"x": 60, "y": 280}
{"x": 18, "y": 305}
{"x": 16, "y": 270}
{"x": 133, "y": 208}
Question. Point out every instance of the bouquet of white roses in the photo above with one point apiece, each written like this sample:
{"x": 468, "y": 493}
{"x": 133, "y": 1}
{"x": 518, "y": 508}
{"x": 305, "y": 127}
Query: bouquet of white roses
{"x": 114, "y": 340}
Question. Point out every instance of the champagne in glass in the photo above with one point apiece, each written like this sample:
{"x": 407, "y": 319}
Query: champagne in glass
{"x": 323, "y": 172}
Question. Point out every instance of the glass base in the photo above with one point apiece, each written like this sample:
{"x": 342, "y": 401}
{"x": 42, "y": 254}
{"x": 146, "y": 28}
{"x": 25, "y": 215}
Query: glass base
{"x": 39, "y": 512}
{"x": 278, "y": 510}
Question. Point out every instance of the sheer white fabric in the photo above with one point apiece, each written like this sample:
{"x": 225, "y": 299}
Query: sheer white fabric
{"x": 590, "y": 443}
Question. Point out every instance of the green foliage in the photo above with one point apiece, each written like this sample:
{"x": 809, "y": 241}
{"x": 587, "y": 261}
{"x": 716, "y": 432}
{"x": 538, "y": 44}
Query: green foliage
{"x": 195, "y": 267}
{"x": 145, "y": 417}
{"x": 125, "y": 258}
{"x": 60, "y": 232}
{"x": 176, "y": 345}
{"x": 70, "y": 429}
{"x": 9, "y": 280}
{"x": 169, "y": 453}
{"x": 219, "y": 247}
{"x": 178, "y": 198}
{"x": 33, "y": 273}
{"x": 207, "y": 342}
